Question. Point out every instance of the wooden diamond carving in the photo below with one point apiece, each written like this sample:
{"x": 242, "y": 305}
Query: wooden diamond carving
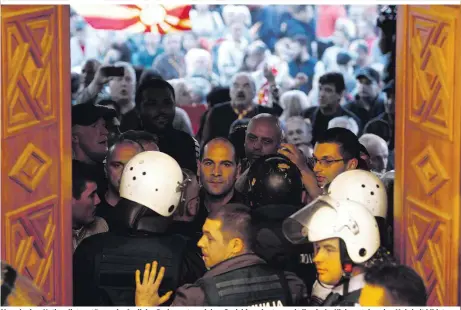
{"x": 429, "y": 170}
{"x": 30, "y": 167}
{"x": 29, "y": 235}
{"x": 432, "y": 86}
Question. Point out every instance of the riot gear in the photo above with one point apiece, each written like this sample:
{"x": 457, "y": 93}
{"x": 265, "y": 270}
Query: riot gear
{"x": 273, "y": 179}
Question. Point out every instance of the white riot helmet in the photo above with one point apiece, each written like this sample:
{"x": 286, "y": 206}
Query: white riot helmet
{"x": 363, "y": 187}
{"x": 326, "y": 218}
{"x": 154, "y": 180}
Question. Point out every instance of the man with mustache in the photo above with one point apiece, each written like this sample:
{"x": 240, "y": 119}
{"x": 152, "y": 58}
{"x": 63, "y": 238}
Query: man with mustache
{"x": 156, "y": 104}
{"x": 242, "y": 94}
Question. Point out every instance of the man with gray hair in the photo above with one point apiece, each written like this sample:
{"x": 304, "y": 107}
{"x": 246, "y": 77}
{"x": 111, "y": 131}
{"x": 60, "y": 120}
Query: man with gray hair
{"x": 242, "y": 105}
{"x": 344, "y": 122}
{"x": 378, "y": 150}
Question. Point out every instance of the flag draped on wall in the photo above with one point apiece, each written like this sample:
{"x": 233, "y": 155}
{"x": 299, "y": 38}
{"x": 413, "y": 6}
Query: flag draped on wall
{"x": 136, "y": 18}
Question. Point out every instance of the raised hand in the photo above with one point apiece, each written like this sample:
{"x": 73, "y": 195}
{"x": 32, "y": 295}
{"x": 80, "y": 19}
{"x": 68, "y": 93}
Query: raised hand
{"x": 147, "y": 290}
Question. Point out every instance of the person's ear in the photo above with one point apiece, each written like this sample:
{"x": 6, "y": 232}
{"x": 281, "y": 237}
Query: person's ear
{"x": 352, "y": 164}
{"x": 236, "y": 246}
{"x": 239, "y": 170}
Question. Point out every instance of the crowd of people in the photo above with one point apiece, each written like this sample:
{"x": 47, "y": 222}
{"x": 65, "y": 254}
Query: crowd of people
{"x": 247, "y": 162}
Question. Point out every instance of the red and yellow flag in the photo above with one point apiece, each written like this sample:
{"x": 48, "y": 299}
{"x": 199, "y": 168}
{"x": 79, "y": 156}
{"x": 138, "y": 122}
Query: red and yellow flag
{"x": 136, "y": 18}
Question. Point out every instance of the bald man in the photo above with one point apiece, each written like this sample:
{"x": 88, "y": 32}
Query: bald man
{"x": 117, "y": 157}
{"x": 263, "y": 137}
{"x": 378, "y": 150}
{"x": 219, "y": 169}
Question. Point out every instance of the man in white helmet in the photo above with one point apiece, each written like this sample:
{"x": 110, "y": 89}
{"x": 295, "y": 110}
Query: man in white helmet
{"x": 346, "y": 241}
{"x": 150, "y": 189}
{"x": 366, "y": 188}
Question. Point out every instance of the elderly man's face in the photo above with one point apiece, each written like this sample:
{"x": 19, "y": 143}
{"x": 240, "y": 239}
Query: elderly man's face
{"x": 298, "y": 133}
{"x": 242, "y": 91}
{"x": 379, "y": 157}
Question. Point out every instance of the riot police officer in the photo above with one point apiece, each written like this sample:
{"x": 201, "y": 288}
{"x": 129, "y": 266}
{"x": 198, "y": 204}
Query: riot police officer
{"x": 274, "y": 192}
{"x": 346, "y": 242}
{"x": 151, "y": 189}
{"x": 367, "y": 189}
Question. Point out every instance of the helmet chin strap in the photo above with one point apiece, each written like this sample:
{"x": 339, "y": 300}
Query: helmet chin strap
{"x": 347, "y": 265}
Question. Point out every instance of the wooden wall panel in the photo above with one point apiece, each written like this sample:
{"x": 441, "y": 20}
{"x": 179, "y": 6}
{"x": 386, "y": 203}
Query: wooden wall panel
{"x": 36, "y": 148}
{"x": 428, "y": 147}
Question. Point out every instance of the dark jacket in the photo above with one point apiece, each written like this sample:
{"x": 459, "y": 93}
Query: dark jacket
{"x": 377, "y": 108}
{"x": 105, "y": 264}
{"x": 193, "y": 294}
{"x": 176, "y": 143}
{"x": 320, "y": 121}
{"x": 273, "y": 247}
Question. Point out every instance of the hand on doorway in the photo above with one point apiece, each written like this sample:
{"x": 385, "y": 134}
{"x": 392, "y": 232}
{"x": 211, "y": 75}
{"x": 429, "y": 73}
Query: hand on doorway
{"x": 147, "y": 290}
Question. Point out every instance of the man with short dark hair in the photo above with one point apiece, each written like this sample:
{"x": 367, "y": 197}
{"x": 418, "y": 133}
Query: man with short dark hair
{"x": 84, "y": 201}
{"x": 336, "y": 151}
{"x": 331, "y": 92}
{"x": 393, "y": 286}
{"x": 235, "y": 277}
{"x": 156, "y": 104}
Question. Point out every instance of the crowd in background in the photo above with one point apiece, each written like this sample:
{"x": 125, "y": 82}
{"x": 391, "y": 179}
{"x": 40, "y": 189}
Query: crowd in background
{"x": 298, "y": 44}
{"x": 255, "y": 113}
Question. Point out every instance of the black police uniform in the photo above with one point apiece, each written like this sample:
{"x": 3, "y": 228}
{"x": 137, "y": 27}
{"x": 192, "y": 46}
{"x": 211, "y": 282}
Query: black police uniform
{"x": 271, "y": 244}
{"x": 105, "y": 264}
{"x": 274, "y": 189}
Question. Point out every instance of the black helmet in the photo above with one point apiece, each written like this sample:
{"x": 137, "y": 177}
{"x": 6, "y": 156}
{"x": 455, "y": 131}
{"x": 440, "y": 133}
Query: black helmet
{"x": 274, "y": 179}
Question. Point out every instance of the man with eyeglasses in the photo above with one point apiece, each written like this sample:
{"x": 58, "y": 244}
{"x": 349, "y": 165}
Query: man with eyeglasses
{"x": 336, "y": 151}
